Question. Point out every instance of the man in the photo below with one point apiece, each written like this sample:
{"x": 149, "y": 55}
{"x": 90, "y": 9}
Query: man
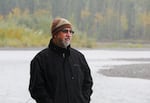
{"x": 59, "y": 73}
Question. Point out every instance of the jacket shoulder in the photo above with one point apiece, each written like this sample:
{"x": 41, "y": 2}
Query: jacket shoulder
{"x": 76, "y": 52}
{"x": 41, "y": 54}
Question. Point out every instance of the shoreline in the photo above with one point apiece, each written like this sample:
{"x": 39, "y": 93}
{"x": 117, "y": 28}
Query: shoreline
{"x": 40, "y": 48}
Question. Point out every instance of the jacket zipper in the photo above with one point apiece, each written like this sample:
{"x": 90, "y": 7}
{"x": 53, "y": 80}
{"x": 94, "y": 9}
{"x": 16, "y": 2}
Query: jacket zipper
{"x": 64, "y": 57}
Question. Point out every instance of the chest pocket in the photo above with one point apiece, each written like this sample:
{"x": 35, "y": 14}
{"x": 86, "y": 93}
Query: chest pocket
{"x": 78, "y": 73}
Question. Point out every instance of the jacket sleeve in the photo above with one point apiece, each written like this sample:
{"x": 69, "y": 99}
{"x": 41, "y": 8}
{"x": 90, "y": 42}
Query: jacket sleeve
{"x": 37, "y": 84}
{"x": 88, "y": 82}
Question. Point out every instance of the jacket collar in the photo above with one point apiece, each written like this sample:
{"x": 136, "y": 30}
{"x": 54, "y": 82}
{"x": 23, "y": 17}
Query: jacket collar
{"x": 58, "y": 49}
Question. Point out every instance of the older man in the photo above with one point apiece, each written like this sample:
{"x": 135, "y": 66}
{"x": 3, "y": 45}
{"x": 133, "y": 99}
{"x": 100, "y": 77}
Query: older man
{"x": 59, "y": 73}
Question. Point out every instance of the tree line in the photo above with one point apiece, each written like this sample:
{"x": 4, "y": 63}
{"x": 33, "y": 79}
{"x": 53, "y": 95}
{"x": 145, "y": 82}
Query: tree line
{"x": 100, "y": 19}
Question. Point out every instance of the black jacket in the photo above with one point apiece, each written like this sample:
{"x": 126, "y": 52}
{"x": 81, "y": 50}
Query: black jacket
{"x": 59, "y": 75}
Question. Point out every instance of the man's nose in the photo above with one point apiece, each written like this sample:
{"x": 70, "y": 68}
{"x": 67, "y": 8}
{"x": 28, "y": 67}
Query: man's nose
{"x": 69, "y": 34}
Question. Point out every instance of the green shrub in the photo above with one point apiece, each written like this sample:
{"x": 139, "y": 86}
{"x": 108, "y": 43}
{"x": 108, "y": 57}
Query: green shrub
{"x": 22, "y": 29}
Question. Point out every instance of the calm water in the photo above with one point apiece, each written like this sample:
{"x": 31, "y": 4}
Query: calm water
{"x": 14, "y": 76}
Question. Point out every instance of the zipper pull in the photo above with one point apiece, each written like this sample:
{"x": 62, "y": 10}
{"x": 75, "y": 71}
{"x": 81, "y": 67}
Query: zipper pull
{"x": 72, "y": 77}
{"x": 63, "y": 55}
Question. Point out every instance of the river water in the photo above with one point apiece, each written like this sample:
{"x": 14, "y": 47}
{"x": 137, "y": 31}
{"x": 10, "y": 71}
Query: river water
{"x": 14, "y": 76}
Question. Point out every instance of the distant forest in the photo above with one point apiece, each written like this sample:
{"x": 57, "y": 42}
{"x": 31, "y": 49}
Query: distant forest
{"x": 104, "y": 20}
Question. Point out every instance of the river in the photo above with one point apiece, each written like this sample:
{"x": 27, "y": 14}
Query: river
{"x": 15, "y": 65}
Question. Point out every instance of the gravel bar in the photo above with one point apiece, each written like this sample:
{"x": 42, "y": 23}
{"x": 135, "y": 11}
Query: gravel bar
{"x": 141, "y": 71}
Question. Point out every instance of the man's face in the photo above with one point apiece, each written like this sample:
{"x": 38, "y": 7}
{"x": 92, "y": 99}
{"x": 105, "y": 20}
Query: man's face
{"x": 63, "y": 38}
